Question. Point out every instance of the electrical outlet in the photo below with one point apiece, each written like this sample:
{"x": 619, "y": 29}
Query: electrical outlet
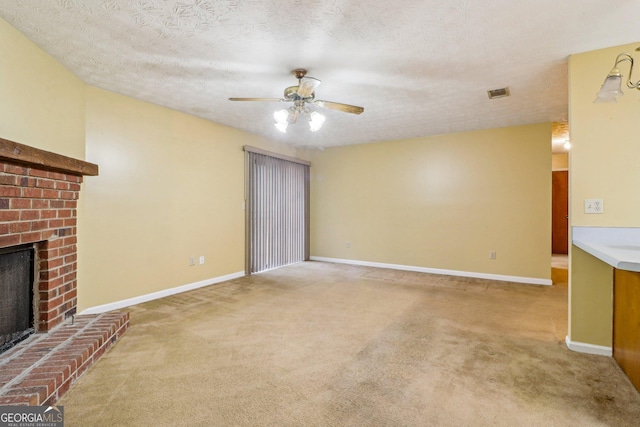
{"x": 201, "y": 259}
{"x": 492, "y": 255}
{"x": 593, "y": 206}
{"x": 192, "y": 261}
{"x": 348, "y": 244}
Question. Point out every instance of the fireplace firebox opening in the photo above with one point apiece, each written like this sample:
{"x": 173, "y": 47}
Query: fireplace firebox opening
{"x": 17, "y": 303}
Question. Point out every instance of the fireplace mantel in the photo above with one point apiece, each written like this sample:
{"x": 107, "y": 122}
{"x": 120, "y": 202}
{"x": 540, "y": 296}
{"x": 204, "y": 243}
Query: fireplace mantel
{"x": 13, "y": 152}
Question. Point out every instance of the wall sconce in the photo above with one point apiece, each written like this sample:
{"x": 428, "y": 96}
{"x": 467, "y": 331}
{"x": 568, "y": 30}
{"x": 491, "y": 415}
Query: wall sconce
{"x": 611, "y": 89}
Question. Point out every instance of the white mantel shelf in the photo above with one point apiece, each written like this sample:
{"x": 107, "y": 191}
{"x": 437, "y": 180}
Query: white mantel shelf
{"x": 617, "y": 246}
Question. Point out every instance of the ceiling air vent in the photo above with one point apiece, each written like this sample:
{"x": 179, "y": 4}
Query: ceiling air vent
{"x": 498, "y": 93}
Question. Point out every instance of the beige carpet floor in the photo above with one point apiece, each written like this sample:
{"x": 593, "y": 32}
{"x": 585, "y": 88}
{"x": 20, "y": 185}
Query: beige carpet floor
{"x": 318, "y": 344}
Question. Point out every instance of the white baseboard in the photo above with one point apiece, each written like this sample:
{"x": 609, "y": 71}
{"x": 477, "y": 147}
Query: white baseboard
{"x": 160, "y": 294}
{"x": 499, "y": 277}
{"x": 581, "y": 347}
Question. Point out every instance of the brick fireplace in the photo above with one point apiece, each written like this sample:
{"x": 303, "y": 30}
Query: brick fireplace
{"x": 38, "y": 209}
{"x": 38, "y": 205}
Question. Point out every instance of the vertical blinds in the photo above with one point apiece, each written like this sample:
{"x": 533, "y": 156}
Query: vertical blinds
{"x": 277, "y": 209}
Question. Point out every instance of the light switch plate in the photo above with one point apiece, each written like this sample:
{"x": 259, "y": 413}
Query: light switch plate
{"x": 593, "y": 206}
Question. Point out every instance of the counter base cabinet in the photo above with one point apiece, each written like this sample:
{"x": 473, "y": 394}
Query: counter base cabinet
{"x": 626, "y": 323}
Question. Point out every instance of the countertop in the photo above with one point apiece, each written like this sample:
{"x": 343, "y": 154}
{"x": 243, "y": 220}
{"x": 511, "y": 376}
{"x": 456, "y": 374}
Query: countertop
{"x": 617, "y": 246}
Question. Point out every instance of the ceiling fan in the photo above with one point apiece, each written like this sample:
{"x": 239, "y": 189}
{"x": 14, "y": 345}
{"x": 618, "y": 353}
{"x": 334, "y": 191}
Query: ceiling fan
{"x": 302, "y": 95}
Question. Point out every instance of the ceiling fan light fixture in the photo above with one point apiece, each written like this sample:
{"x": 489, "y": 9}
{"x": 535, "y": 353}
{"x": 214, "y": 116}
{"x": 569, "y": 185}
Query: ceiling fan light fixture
{"x": 294, "y": 113}
{"x": 316, "y": 120}
{"x": 282, "y": 120}
{"x": 307, "y": 86}
{"x": 281, "y": 116}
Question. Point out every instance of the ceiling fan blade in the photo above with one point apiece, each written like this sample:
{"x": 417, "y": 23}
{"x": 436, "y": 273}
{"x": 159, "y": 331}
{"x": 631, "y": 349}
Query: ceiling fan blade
{"x": 339, "y": 107}
{"x": 257, "y": 99}
{"x": 307, "y": 86}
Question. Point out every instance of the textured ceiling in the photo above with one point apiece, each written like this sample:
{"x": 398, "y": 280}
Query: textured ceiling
{"x": 418, "y": 67}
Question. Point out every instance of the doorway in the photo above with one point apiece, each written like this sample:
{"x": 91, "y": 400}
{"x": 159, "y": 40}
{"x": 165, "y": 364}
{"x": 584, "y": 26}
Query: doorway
{"x": 560, "y": 146}
{"x": 560, "y": 216}
{"x": 560, "y": 212}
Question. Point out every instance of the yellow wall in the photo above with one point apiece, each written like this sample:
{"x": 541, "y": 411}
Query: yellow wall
{"x": 439, "y": 202}
{"x": 41, "y": 102}
{"x": 604, "y": 164}
{"x": 171, "y": 186}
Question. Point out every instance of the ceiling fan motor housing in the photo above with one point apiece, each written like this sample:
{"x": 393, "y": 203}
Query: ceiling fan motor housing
{"x": 299, "y": 73}
{"x": 291, "y": 94}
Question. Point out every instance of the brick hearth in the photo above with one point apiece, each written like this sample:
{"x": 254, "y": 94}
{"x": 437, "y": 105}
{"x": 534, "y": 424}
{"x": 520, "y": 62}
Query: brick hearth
{"x": 41, "y": 369}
